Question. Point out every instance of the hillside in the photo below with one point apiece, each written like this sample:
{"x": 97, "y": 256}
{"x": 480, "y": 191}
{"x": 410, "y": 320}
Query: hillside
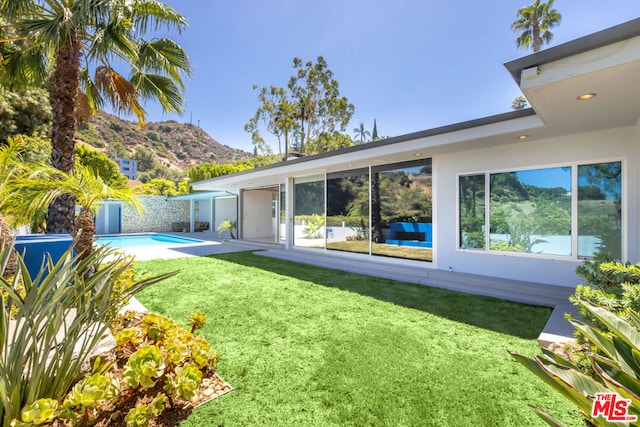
{"x": 176, "y": 145}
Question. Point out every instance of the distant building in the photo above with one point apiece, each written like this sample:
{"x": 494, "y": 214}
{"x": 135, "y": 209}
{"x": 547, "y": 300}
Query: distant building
{"x": 128, "y": 167}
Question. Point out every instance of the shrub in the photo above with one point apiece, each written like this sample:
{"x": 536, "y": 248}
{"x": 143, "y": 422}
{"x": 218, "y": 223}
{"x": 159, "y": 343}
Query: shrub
{"x": 64, "y": 312}
{"x": 614, "y": 368}
{"x": 610, "y": 330}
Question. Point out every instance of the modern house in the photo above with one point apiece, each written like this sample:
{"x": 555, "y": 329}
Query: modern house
{"x": 524, "y": 195}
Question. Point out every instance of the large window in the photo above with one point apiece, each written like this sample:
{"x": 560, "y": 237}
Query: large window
{"x": 530, "y": 211}
{"x": 472, "y": 212}
{"x": 401, "y": 210}
{"x": 600, "y": 209}
{"x": 382, "y": 210}
{"x": 309, "y": 218}
{"x": 348, "y": 211}
{"x": 533, "y": 211}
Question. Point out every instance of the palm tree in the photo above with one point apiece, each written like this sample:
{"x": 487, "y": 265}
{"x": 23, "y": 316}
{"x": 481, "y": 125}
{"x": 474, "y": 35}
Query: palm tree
{"x": 534, "y": 22}
{"x": 74, "y": 37}
{"x": 84, "y": 185}
{"x": 361, "y": 133}
{"x": 11, "y": 168}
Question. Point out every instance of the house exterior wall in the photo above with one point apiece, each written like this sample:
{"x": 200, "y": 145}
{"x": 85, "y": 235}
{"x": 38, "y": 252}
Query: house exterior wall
{"x": 609, "y": 145}
{"x": 157, "y": 216}
{"x": 225, "y": 208}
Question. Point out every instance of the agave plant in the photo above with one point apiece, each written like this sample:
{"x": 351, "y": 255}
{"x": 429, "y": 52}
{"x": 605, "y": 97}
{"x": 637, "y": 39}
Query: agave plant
{"x": 616, "y": 365}
{"x": 48, "y": 332}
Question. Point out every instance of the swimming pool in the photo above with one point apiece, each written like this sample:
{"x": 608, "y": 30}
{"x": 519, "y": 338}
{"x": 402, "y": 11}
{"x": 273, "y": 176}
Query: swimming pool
{"x": 144, "y": 240}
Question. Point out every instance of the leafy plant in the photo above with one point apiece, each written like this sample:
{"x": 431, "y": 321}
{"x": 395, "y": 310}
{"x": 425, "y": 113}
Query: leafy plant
{"x": 614, "y": 366}
{"x": 197, "y": 320}
{"x": 90, "y": 392}
{"x": 227, "y": 225}
{"x": 609, "y": 284}
{"x": 143, "y": 366}
{"x": 56, "y": 323}
{"x": 42, "y": 411}
{"x": 142, "y": 414}
{"x": 184, "y": 381}
{"x": 313, "y": 227}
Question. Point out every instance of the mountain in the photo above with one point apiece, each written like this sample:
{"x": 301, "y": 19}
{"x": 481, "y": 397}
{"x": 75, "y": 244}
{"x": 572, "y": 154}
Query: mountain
{"x": 175, "y": 145}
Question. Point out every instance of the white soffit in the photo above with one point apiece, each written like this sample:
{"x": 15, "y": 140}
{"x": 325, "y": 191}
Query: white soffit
{"x": 612, "y": 72}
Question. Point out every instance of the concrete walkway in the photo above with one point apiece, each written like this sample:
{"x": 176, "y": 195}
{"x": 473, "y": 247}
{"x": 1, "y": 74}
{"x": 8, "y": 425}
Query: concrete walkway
{"x": 556, "y": 330}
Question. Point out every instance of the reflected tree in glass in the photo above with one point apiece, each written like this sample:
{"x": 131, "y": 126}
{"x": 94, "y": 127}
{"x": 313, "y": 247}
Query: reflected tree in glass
{"x": 472, "y": 211}
{"x": 348, "y": 211}
{"x": 600, "y": 209}
{"x": 309, "y": 214}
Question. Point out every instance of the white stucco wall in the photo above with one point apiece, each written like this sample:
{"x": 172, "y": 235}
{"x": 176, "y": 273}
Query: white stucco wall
{"x": 610, "y": 145}
{"x": 225, "y": 208}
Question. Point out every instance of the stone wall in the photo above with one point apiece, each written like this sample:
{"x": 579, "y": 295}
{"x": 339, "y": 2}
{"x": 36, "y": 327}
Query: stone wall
{"x": 157, "y": 216}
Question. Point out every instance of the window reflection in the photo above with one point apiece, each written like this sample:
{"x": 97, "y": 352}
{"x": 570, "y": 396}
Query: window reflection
{"x": 530, "y": 211}
{"x": 309, "y": 221}
{"x": 600, "y": 209}
{"x": 348, "y": 211}
{"x": 401, "y": 210}
{"x": 472, "y": 212}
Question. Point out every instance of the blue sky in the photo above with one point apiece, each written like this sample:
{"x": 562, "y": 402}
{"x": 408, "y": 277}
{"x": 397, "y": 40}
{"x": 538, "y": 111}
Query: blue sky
{"x": 410, "y": 64}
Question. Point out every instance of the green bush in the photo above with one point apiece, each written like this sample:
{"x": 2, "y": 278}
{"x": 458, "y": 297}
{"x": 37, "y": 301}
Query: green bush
{"x": 608, "y": 304}
{"x": 614, "y": 365}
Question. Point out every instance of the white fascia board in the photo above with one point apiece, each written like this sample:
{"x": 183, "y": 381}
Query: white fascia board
{"x": 609, "y": 56}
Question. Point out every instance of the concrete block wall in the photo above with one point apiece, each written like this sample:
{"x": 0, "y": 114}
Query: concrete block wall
{"x": 157, "y": 216}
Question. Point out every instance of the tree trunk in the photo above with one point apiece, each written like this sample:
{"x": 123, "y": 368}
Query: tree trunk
{"x": 66, "y": 80}
{"x": 535, "y": 34}
{"x": 6, "y": 239}
{"x": 86, "y": 228}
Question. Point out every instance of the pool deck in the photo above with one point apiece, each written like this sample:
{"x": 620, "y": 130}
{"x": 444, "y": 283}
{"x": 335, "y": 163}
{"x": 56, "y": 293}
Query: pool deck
{"x": 557, "y": 329}
{"x": 210, "y": 245}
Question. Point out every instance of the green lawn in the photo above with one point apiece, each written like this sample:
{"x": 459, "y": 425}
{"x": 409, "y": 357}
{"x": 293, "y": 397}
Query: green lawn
{"x": 309, "y": 346}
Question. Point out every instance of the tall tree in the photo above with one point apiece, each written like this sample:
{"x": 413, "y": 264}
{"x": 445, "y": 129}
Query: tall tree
{"x": 534, "y": 22}
{"x": 74, "y": 37}
{"x": 319, "y": 106}
{"x": 374, "y": 134}
{"x": 361, "y": 133}
{"x": 310, "y": 108}
{"x": 276, "y": 113}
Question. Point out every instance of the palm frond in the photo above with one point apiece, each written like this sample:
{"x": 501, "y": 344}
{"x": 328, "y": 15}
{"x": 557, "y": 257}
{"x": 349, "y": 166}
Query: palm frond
{"x": 147, "y": 13}
{"x": 121, "y": 92}
{"x": 164, "y": 56}
{"x": 165, "y": 90}
{"x": 24, "y": 67}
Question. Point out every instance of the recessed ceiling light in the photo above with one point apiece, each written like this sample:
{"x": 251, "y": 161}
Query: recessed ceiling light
{"x": 417, "y": 154}
{"x": 585, "y": 96}
{"x": 349, "y": 165}
{"x": 523, "y": 136}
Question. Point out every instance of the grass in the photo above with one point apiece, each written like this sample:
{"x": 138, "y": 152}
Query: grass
{"x": 309, "y": 346}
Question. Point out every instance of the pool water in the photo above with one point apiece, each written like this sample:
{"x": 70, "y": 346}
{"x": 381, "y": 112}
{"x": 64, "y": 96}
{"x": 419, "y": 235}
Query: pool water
{"x": 144, "y": 240}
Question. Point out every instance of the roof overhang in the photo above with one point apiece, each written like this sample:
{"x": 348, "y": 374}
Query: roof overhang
{"x": 606, "y": 63}
{"x": 202, "y": 195}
